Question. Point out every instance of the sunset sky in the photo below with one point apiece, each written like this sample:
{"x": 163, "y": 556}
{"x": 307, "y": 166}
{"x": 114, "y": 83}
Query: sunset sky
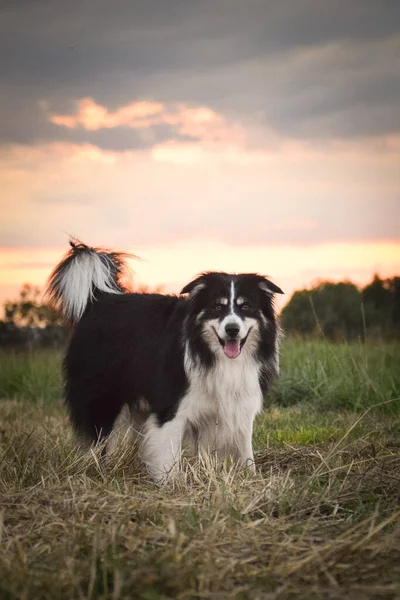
{"x": 227, "y": 134}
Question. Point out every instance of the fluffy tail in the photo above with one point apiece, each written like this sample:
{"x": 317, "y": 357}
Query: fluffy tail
{"x": 81, "y": 275}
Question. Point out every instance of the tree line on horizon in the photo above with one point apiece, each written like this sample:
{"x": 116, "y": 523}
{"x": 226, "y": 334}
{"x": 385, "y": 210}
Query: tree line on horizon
{"x": 344, "y": 311}
{"x": 336, "y": 311}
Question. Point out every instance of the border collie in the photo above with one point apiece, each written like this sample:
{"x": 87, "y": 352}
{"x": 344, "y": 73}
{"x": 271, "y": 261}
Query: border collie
{"x": 188, "y": 371}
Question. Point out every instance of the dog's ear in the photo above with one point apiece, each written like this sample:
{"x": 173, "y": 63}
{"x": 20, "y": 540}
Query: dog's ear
{"x": 194, "y": 286}
{"x": 267, "y": 286}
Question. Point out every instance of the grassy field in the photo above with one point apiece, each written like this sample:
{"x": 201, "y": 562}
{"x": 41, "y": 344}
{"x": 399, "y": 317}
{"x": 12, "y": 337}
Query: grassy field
{"x": 319, "y": 520}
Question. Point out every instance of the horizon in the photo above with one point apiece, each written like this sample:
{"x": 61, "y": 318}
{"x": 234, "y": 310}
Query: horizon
{"x": 135, "y": 284}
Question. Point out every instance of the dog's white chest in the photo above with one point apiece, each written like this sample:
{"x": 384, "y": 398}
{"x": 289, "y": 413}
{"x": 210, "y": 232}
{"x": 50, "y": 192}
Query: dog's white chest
{"x": 223, "y": 401}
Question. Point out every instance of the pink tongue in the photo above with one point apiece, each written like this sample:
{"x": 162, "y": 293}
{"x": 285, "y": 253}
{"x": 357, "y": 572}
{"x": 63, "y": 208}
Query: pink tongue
{"x": 232, "y": 348}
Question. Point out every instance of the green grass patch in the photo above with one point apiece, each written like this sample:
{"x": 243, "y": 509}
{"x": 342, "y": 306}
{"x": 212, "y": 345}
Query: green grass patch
{"x": 333, "y": 376}
{"x": 32, "y": 376}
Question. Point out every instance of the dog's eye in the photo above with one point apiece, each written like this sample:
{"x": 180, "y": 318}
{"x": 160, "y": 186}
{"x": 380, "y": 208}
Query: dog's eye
{"x": 246, "y": 306}
{"x": 218, "y": 306}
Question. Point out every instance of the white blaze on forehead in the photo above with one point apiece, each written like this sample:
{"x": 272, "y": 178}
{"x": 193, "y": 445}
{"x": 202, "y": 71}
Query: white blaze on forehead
{"x": 232, "y": 298}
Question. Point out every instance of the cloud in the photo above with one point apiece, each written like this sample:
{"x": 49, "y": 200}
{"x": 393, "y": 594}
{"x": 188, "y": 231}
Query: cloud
{"x": 37, "y": 125}
{"x": 93, "y": 116}
{"x": 136, "y": 126}
{"x": 151, "y": 119}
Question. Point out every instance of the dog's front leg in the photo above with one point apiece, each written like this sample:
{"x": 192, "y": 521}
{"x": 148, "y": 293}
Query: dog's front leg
{"x": 245, "y": 448}
{"x": 162, "y": 447}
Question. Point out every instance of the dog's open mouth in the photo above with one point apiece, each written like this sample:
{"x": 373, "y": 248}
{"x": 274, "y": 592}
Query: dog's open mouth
{"x": 232, "y": 348}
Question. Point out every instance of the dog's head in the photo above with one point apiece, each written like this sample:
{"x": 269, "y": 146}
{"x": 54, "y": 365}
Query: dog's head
{"x": 228, "y": 312}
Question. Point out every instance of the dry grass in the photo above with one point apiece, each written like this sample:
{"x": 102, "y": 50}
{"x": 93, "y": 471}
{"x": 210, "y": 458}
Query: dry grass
{"x": 318, "y": 520}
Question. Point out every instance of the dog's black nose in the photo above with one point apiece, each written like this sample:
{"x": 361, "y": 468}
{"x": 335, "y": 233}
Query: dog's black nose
{"x": 232, "y": 330}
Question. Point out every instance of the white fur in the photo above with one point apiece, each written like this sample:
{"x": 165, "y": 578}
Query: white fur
{"x": 162, "y": 446}
{"x": 232, "y": 298}
{"x": 86, "y": 272}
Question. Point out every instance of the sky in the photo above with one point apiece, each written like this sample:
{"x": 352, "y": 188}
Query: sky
{"x": 211, "y": 134}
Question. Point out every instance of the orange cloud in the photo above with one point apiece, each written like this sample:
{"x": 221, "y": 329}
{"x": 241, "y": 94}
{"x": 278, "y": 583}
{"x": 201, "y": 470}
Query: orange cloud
{"x": 93, "y": 116}
{"x": 200, "y": 122}
{"x": 204, "y": 123}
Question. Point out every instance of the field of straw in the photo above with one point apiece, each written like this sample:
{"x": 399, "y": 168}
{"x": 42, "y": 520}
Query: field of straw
{"x": 319, "y": 520}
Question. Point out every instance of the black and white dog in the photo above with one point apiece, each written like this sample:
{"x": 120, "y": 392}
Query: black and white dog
{"x": 187, "y": 371}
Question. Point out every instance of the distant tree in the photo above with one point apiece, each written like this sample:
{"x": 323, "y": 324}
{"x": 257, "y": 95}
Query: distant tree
{"x": 297, "y": 316}
{"x": 394, "y": 286}
{"x": 30, "y": 310}
{"x": 381, "y": 300}
{"x": 329, "y": 309}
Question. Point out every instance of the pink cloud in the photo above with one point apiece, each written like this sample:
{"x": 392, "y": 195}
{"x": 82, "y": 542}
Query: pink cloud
{"x": 93, "y": 116}
{"x": 207, "y": 125}
{"x": 200, "y": 121}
